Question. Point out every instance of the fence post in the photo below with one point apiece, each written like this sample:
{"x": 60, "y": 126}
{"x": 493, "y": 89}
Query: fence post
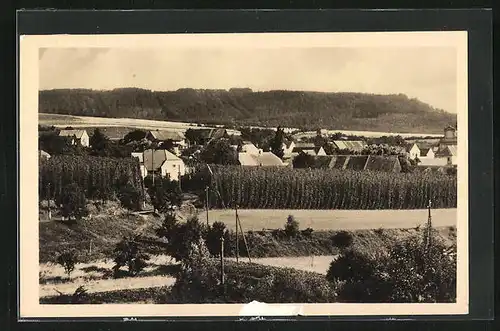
{"x": 237, "y": 239}
{"x": 222, "y": 260}
{"x": 206, "y": 201}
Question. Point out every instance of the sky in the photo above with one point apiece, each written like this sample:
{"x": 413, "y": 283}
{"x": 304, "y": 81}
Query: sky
{"x": 426, "y": 73}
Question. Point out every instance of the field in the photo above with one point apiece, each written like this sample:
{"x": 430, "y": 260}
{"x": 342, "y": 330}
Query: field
{"x": 285, "y": 188}
{"x": 258, "y": 219}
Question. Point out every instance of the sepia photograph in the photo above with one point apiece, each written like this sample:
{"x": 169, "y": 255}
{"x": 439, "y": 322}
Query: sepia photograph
{"x": 293, "y": 170}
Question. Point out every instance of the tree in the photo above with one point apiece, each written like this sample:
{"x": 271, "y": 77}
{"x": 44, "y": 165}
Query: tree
{"x": 219, "y": 152}
{"x": 128, "y": 253}
{"x": 99, "y": 143}
{"x": 165, "y": 194}
{"x": 130, "y": 197}
{"x": 303, "y": 160}
{"x": 276, "y": 143}
{"x": 291, "y": 227}
{"x": 135, "y": 135}
{"x": 68, "y": 260}
{"x": 214, "y": 234}
{"x": 72, "y": 201}
{"x": 193, "y": 136}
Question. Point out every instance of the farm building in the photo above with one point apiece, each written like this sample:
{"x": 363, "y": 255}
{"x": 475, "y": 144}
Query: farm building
{"x": 359, "y": 162}
{"x": 307, "y": 148}
{"x": 162, "y": 162}
{"x": 248, "y": 147}
{"x": 208, "y": 135}
{"x": 177, "y": 137}
{"x": 288, "y": 146}
{"x": 352, "y": 145}
{"x": 422, "y": 150}
{"x": 448, "y": 153}
{"x": 43, "y": 155}
{"x": 432, "y": 162}
{"x": 262, "y": 159}
{"x": 77, "y": 136}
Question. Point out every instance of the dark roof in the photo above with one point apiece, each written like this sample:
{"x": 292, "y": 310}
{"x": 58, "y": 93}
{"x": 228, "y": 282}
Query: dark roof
{"x": 154, "y": 160}
{"x": 356, "y": 162}
{"x": 424, "y": 150}
{"x": 383, "y": 163}
{"x": 166, "y": 135}
{"x": 324, "y": 161}
{"x": 339, "y": 162}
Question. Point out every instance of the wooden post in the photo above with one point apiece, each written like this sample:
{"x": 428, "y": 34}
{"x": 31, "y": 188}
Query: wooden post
{"x": 429, "y": 225}
{"x": 206, "y": 202}
{"x": 152, "y": 163}
{"x": 244, "y": 239}
{"x": 90, "y": 247}
{"x": 222, "y": 260}
{"x": 237, "y": 241}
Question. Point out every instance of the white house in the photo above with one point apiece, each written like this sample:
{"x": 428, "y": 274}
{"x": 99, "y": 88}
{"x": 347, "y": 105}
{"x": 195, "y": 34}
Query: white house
{"x": 77, "y": 136}
{"x": 164, "y": 163}
{"x": 262, "y": 159}
{"x": 288, "y": 147}
{"x": 448, "y": 153}
{"x": 248, "y": 147}
{"x": 419, "y": 150}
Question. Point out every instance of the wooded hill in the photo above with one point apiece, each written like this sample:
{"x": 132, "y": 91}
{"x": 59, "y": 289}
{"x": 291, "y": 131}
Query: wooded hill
{"x": 235, "y": 107}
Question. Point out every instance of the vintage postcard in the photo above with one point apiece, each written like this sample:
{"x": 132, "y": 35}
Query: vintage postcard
{"x": 243, "y": 174}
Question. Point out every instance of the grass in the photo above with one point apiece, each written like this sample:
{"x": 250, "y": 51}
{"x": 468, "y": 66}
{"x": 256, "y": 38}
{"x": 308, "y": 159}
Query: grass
{"x": 258, "y": 219}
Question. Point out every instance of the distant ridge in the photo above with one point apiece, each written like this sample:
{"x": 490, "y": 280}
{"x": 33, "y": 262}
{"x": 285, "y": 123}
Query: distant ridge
{"x": 242, "y": 106}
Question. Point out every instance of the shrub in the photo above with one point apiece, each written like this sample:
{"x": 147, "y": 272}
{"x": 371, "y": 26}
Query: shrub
{"x": 130, "y": 197}
{"x": 307, "y": 232}
{"x": 245, "y": 282}
{"x": 291, "y": 227}
{"x": 128, "y": 253}
{"x": 68, "y": 260}
{"x": 165, "y": 194}
{"x": 180, "y": 236}
{"x": 342, "y": 239}
{"x": 214, "y": 234}
{"x": 419, "y": 269}
{"x": 72, "y": 201}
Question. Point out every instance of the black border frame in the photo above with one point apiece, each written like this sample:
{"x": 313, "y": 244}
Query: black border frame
{"x": 476, "y": 21}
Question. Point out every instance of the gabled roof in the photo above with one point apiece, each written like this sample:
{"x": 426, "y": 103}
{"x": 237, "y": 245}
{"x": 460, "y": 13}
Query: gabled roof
{"x": 432, "y": 162}
{"x": 382, "y": 163}
{"x": 324, "y": 161}
{"x": 154, "y": 160}
{"x": 307, "y": 148}
{"x": 70, "y": 133}
{"x": 449, "y": 150}
{"x": 167, "y": 135}
{"x": 354, "y": 145}
{"x": 424, "y": 150}
{"x": 262, "y": 159}
{"x": 356, "y": 162}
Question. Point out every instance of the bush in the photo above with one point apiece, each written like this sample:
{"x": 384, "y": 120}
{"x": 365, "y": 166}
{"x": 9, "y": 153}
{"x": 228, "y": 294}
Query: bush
{"x": 165, "y": 194}
{"x": 419, "y": 269}
{"x": 291, "y": 227}
{"x": 72, "y": 201}
{"x": 130, "y": 197}
{"x": 342, "y": 239}
{"x": 67, "y": 260}
{"x": 127, "y": 253}
{"x": 180, "y": 236}
{"x": 214, "y": 234}
{"x": 245, "y": 282}
{"x": 307, "y": 232}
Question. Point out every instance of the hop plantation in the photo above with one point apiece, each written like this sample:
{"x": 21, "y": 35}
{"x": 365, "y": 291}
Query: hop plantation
{"x": 284, "y": 188}
{"x": 98, "y": 177}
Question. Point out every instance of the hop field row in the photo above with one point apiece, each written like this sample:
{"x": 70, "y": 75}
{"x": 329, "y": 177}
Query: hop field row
{"x": 98, "y": 177}
{"x": 284, "y": 188}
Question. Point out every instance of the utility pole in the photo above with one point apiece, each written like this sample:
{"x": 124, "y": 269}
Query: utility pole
{"x": 222, "y": 260}
{"x": 429, "y": 225}
{"x": 237, "y": 243}
{"x": 206, "y": 202}
{"x": 244, "y": 239}
{"x": 152, "y": 162}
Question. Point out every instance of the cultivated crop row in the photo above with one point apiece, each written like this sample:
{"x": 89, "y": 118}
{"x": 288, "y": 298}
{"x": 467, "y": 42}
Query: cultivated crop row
{"x": 284, "y": 188}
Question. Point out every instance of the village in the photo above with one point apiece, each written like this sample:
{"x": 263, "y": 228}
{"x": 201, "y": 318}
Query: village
{"x": 173, "y": 154}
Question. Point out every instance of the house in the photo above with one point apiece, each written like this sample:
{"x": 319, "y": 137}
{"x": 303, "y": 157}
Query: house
{"x": 448, "y": 153}
{"x": 360, "y": 162}
{"x": 248, "y": 147}
{"x": 352, "y": 145}
{"x": 77, "y": 136}
{"x": 263, "y": 159}
{"x": 307, "y": 148}
{"x": 422, "y": 150}
{"x": 288, "y": 146}
{"x": 163, "y": 163}
{"x": 43, "y": 155}
{"x": 450, "y": 137}
{"x": 432, "y": 162}
{"x": 383, "y": 163}
{"x": 178, "y": 139}
{"x": 208, "y": 135}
